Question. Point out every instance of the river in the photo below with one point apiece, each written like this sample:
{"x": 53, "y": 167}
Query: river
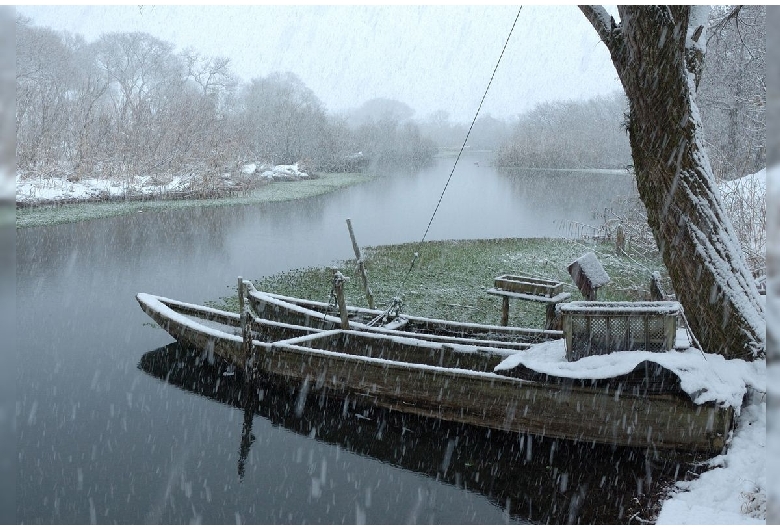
{"x": 115, "y": 427}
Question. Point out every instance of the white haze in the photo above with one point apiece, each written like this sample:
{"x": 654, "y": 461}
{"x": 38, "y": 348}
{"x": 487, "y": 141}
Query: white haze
{"x": 430, "y": 57}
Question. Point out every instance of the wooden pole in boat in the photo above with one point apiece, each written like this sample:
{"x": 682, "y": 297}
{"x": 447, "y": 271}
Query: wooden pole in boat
{"x": 246, "y": 330}
{"x": 241, "y": 296}
{"x": 360, "y": 266}
{"x": 338, "y": 287}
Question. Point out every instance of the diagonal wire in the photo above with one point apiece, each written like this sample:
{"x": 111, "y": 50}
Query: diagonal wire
{"x": 462, "y": 147}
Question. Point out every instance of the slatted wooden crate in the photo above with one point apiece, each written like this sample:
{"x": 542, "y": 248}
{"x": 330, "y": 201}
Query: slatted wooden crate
{"x": 528, "y": 285}
{"x": 598, "y": 328}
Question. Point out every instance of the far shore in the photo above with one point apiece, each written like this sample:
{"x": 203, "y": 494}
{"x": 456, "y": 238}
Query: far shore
{"x": 30, "y": 216}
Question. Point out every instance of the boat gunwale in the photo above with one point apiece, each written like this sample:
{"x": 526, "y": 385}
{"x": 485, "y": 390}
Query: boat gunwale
{"x": 301, "y": 304}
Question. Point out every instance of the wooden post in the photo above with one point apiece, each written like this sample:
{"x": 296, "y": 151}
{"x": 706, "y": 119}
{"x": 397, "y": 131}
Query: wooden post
{"x": 338, "y": 287}
{"x": 620, "y": 241}
{"x": 360, "y": 266}
{"x": 246, "y": 330}
{"x": 241, "y": 296}
{"x": 656, "y": 291}
{"x": 551, "y": 319}
{"x": 504, "y": 310}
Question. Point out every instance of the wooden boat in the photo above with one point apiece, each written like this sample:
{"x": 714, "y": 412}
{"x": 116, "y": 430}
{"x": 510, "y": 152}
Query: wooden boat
{"x": 321, "y": 315}
{"x": 643, "y": 407}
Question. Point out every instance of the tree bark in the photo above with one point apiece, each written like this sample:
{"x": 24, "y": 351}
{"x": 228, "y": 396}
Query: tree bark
{"x": 658, "y": 53}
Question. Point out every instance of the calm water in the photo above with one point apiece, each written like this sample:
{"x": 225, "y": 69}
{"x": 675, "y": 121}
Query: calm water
{"x": 114, "y": 425}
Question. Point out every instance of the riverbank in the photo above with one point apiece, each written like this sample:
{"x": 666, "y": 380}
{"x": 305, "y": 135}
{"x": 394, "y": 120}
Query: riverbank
{"x": 450, "y": 278}
{"x": 449, "y": 281}
{"x": 28, "y": 216}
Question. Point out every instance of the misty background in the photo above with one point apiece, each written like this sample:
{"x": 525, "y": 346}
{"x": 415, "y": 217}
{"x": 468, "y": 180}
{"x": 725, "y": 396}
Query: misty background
{"x": 145, "y": 90}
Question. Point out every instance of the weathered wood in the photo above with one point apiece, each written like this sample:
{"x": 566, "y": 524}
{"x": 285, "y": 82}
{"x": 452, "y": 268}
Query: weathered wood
{"x": 588, "y": 275}
{"x": 663, "y": 422}
{"x": 552, "y": 318}
{"x": 599, "y": 328}
{"x": 312, "y": 314}
{"x": 552, "y": 322}
{"x": 504, "y": 310}
{"x": 528, "y": 285}
{"x": 616, "y": 416}
{"x": 656, "y": 291}
{"x": 361, "y": 266}
{"x": 620, "y": 240}
{"x": 338, "y": 287}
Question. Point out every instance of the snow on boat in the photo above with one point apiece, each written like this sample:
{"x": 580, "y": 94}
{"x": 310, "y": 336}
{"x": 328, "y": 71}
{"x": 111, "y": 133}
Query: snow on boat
{"x": 649, "y": 404}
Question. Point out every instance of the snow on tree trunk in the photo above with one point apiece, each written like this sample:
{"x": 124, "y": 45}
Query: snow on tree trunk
{"x": 658, "y": 52}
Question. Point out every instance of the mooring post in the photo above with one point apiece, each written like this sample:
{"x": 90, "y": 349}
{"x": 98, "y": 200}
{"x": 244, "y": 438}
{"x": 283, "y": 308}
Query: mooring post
{"x": 360, "y": 266}
{"x": 505, "y": 311}
{"x": 338, "y": 287}
{"x": 246, "y": 330}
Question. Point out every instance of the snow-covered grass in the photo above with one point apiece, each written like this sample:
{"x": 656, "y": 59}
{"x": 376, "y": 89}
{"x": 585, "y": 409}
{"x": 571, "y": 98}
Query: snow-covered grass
{"x": 276, "y": 192}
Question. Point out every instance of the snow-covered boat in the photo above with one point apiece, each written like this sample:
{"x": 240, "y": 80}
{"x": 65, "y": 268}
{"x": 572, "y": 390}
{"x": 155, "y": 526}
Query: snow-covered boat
{"x": 647, "y": 402}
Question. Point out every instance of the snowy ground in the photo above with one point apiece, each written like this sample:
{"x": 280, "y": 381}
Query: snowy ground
{"x": 734, "y": 490}
{"x": 40, "y": 189}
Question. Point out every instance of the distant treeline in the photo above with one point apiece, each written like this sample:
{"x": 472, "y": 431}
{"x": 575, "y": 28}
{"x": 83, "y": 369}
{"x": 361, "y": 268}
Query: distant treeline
{"x": 570, "y": 134}
{"x": 129, "y": 104}
{"x": 731, "y": 98}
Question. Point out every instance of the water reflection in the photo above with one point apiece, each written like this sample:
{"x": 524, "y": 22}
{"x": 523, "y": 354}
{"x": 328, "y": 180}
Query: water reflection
{"x": 533, "y": 479}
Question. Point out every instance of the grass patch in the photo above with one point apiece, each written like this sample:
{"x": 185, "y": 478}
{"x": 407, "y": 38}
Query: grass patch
{"x": 275, "y": 192}
{"x": 450, "y": 277}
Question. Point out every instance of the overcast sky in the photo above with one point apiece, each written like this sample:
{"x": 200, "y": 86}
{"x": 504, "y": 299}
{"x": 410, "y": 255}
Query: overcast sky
{"x": 430, "y": 57}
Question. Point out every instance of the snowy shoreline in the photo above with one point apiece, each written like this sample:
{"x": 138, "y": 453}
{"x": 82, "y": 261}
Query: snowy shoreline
{"x": 44, "y": 190}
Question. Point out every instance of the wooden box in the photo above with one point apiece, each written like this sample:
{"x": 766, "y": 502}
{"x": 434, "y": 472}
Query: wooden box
{"x": 528, "y": 285}
{"x": 599, "y": 328}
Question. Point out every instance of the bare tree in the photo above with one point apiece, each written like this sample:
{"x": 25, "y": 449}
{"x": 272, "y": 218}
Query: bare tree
{"x": 658, "y": 52}
{"x": 732, "y": 94}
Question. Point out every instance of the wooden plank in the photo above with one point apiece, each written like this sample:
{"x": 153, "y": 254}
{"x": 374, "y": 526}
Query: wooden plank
{"x": 662, "y": 422}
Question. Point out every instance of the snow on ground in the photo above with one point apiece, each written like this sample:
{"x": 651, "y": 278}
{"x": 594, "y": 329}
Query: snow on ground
{"x": 31, "y": 190}
{"x": 756, "y": 180}
{"x": 44, "y": 189}
{"x": 275, "y": 172}
{"x": 733, "y": 491}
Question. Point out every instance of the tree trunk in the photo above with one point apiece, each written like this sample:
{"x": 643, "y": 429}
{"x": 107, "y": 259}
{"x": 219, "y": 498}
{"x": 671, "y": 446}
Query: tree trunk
{"x": 658, "y": 56}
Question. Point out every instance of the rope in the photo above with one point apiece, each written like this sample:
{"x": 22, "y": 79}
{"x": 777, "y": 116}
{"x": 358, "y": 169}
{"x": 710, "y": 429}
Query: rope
{"x": 462, "y": 147}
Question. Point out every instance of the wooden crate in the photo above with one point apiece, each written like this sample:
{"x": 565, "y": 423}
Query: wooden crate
{"x": 528, "y": 285}
{"x": 598, "y": 328}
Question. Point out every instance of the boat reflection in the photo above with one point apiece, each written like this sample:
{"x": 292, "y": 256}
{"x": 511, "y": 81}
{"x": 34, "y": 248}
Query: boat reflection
{"x": 533, "y": 478}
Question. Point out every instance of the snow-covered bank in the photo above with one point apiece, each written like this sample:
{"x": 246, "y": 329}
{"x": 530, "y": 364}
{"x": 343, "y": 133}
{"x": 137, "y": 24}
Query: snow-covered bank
{"x": 278, "y": 192}
{"x": 33, "y": 190}
{"x": 733, "y": 490}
